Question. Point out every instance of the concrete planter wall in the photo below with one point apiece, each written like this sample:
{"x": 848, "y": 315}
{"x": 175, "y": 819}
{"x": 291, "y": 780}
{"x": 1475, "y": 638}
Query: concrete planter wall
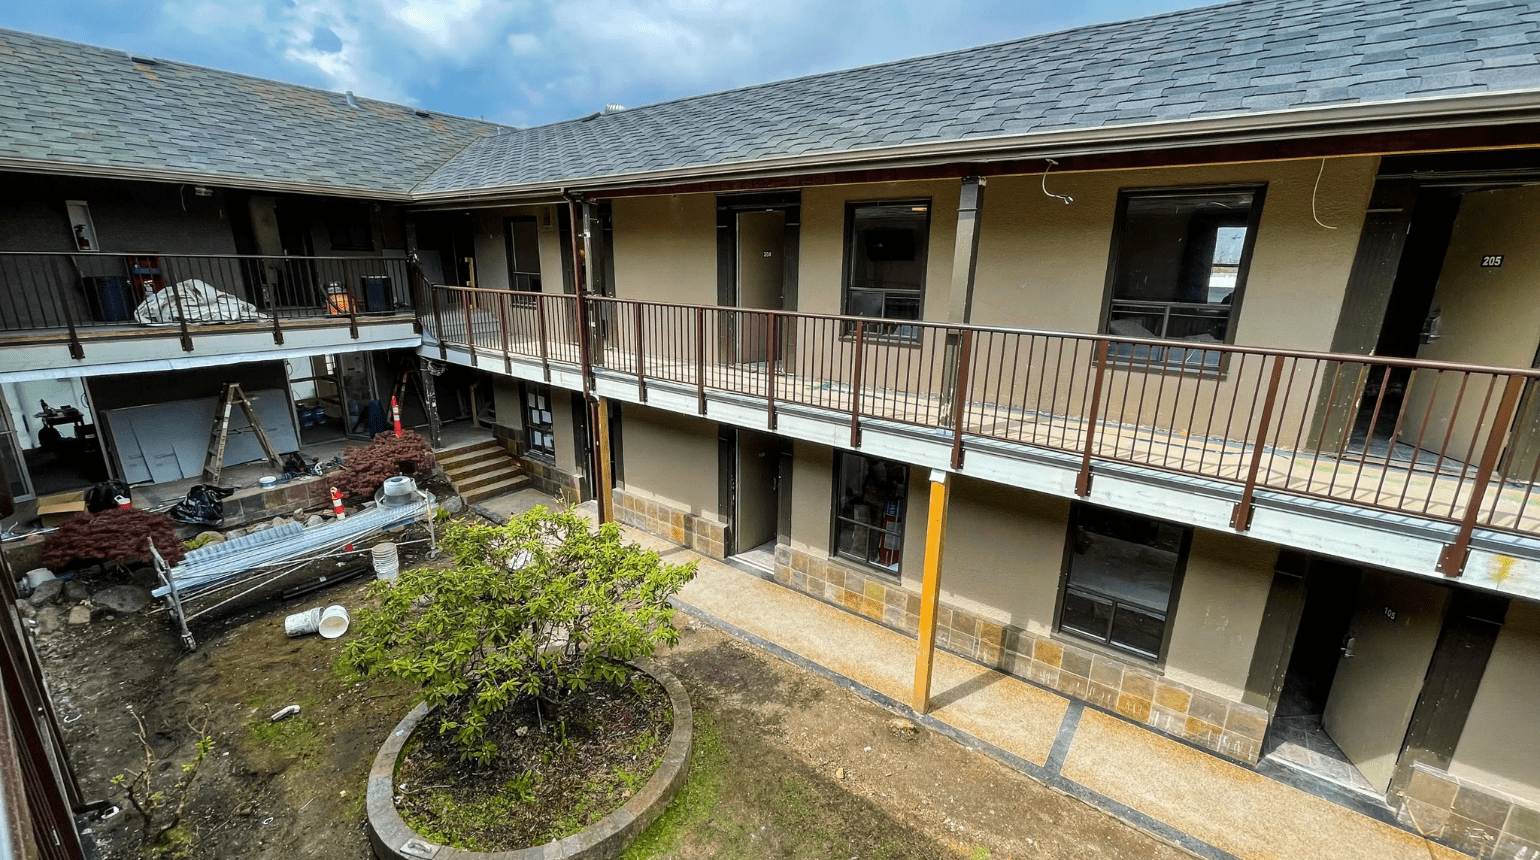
{"x": 393, "y": 840}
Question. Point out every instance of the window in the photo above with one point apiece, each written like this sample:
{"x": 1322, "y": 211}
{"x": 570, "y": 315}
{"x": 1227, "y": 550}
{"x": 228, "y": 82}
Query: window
{"x": 349, "y": 227}
{"x": 1179, "y": 269}
{"x": 885, "y": 245}
{"x": 538, "y": 438}
{"x": 1119, "y": 578}
{"x": 522, "y": 238}
{"x": 869, "y": 497}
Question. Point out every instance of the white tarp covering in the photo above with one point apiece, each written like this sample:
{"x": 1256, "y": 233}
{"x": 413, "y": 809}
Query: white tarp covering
{"x": 200, "y": 301}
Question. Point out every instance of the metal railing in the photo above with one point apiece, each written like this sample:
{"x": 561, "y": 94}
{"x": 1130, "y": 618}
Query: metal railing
{"x": 62, "y": 294}
{"x": 1436, "y": 441}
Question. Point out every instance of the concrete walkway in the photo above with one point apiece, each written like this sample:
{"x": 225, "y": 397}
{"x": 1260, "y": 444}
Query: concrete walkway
{"x": 1210, "y": 806}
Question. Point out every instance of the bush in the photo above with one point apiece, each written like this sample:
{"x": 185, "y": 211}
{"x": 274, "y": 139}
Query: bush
{"x": 538, "y": 610}
{"x": 114, "y": 536}
{"x": 365, "y": 468}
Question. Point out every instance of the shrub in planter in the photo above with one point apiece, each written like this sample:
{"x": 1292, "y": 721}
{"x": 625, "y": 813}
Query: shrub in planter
{"x": 538, "y": 609}
{"x": 366, "y": 467}
{"x": 114, "y": 536}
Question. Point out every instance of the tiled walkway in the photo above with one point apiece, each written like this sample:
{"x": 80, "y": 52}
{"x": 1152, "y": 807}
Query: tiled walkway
{"x": 1208, "y": 805}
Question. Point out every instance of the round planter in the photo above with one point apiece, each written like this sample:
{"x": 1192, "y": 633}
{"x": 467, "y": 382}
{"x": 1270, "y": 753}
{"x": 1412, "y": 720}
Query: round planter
{"x": 606, "y": 838}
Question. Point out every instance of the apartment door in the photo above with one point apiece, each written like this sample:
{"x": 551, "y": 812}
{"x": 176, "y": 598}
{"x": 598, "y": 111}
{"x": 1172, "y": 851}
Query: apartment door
{"x": 761, "y": 258}
{"x": 752, "y": 483}
{"x": 1385, "y": 655}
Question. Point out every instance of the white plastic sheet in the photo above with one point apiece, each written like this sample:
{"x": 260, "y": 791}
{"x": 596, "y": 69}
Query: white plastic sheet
{"x": 201, "y": 302}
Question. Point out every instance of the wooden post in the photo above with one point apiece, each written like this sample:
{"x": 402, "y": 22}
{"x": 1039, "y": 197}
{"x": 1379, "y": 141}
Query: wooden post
{"x": 930, "y": 589}
{"x": 603, "y": 489}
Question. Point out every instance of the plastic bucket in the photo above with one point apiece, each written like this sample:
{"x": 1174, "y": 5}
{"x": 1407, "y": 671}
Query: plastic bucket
{"x": 334, "y": 622}
{"x": 386, "y": 561}
{"x": 303, "y": 623}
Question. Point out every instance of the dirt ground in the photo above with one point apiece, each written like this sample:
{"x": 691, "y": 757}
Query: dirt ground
{"x": 787, "y": 764}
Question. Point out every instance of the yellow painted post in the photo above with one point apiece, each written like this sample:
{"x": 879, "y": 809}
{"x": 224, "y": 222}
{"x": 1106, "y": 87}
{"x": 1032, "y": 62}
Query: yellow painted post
{"x": 930, "y": 589}
{"x": 603, "y": 491}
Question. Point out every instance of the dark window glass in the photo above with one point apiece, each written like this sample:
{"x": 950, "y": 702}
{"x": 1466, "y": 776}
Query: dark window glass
{"x": 348, "y": 224}
{"x": 885, "y": 252}
{"x": 869, "y": 510}
{"x": 523, "y": 248}
{"x": 1179, "y": 265}
{"x": 1121, "y": 573}
{"x": 537, "y": 420}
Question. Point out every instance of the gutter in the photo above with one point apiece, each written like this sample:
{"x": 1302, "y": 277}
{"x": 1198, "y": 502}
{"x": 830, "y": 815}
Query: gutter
{"x": 149, "y": 174}
{"x": 1462, "y": 111}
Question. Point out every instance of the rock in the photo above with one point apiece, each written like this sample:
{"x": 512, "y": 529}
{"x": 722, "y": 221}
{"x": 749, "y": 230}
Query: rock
{"x": 903, "y": 728}
{"x": 122, "y": 599}
{"x": 79, "y": 615}
{"x": 46, "y": 592}
{"x": 26, "y": 609}
{"x": 144, "y": 577}
{"x": 75, "y": 591}
{"x": 313, "y": 521}
{"x": 452, "y": 505}
{"x": 839, "y": 774}
{"x": 49, "y": 620}
{"x": 208, "y": 537}
{"x": 275, "y": 522}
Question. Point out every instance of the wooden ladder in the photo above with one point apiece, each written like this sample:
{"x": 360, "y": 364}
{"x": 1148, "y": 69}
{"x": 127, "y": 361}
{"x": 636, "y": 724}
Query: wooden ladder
{"x": 214, "y": 461}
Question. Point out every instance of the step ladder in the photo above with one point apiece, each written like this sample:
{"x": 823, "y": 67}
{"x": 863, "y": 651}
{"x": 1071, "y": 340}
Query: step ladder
{"x": 214, "y": 461}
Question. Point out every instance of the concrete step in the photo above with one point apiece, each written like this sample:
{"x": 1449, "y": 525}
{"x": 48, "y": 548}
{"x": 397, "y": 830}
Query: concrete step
{"x": 492, "y": 491}
{"x": 504, "y": 472}
{"x": 474, "y": 460}
{"x": 471, "y": 468}
{"x": 468, "y": 452}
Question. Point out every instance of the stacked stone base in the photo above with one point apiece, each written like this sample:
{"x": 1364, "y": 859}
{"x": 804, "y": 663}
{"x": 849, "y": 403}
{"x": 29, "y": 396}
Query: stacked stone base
{"x": 702, "y": 534}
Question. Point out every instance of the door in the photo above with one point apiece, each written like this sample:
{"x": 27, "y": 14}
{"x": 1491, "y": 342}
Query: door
{"x": 1395, "y": 626}
{"x": 761, "y": 278}
{"x": 756, "y": 514}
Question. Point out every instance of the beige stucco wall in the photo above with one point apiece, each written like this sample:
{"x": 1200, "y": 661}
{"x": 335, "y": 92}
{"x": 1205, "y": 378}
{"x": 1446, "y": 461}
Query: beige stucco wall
{"x": 1500, "y": 747}
{"x": 492, "y": 246}
{"x": 506, "y": 402}
{"x": 1043, "y": 264}
{"x": 671, "y": 458}
{"x": 821, "y": 251}
{"x": 1219, "y": 612}
{"x": 564, "y": 428}
{"x": 665, "y": 248}
{"x": 812, "y": 487}
{"x": 1004, "y": 553}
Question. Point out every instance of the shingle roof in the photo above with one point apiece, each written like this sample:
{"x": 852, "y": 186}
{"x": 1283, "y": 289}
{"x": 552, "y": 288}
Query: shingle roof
{"x": 94, "y": 109}
{"x": 1238, "y": 58}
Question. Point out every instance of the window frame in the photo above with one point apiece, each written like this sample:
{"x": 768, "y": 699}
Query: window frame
{"x": 835, "y": 519}
{"x": 338, "y": 214}
{"x": 902, "y": 331}
{"x": 529, "y": 426}
{"x": 1120, "y": 237}
{"x": 1178, "y": 576}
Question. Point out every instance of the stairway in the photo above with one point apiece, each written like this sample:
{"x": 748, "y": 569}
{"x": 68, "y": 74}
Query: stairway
{"x": 482, "y": 470}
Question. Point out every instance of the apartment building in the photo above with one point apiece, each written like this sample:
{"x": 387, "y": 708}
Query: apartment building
{"x": 1184, "y": 366}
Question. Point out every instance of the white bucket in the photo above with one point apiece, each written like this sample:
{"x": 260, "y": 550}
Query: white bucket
{"x": 303, "y": 623}
{"x": 267, "y": 482}
{"x": 386, "y": 562}
{"x": 334, "y": 622}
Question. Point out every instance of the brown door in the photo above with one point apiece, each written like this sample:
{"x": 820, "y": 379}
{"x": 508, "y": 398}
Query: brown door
{"x": 1390, "y": 641}
{"x": 761, "y": 279}
{"x": 756, "y": 513}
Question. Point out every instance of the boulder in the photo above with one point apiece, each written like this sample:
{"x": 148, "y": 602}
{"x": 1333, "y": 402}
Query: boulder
{"x": 208, "y": 537}
{"x": 79, "y": 615}
{"x": 49, "y": 619}
{"x": 122, "y": 599}
{"x": 313, "y": 521}
{"x": 46, "y": 592}
{"x": 26, "y": 609}
{"x": 75, "y": 591}
{"x": 452, "y": 505}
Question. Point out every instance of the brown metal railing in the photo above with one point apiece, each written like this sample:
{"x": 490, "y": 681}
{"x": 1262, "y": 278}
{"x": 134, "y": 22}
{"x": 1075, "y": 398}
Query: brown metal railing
{"x": 63, "y": 294}
{"x": 1437, "y": 441}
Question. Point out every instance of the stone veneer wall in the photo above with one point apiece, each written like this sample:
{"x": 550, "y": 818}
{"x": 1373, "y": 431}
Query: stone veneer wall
{"x": 1234, "y": 729}
{"x": 705, "y": 536}
{"x": 543, "y": 475}
{"x": 1469, "y": 817}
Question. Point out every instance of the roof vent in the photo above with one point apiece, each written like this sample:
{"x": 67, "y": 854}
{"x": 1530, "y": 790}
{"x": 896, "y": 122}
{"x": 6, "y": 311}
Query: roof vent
{"x": 143, "y": 61}
{"x": 613, "y": 108}
{"x": 422, "y": 113}
{"x": 351, "y": 103}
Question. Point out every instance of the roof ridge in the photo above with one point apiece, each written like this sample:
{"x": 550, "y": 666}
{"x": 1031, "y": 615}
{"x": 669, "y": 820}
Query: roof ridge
{"x": 130, "y": 55}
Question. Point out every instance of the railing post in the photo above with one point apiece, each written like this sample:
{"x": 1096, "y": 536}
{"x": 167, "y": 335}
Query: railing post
{"x": 960, "y": 395}
{"x": 470, "y": 330}
{"x": 352, "y": 305}
{"x": 700, "y": 360}
{"x": 855, "y": 386}
{"x": 770, "y": 344}
{"x": 76, "y": 350}
{"x": 414, "y": 281}
{"x": 502, "y": 300}
{"x": 1083, "y": 480}
{"x": 641, "y": 354}
{"x": 1240, "y": 518}
{"x": 545, "y": 351}
{"x": 438, "y": 321}
{"x": 176, "y": 296}
{"x": 1451, "y": 562}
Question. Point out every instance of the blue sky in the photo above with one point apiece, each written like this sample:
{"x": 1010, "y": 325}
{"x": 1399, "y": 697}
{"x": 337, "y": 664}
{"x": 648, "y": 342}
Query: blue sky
{"x": 527, "y": 62}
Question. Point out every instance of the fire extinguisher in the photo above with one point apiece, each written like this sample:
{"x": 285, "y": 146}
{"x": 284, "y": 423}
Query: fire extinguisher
{"x": 887, "y": 554}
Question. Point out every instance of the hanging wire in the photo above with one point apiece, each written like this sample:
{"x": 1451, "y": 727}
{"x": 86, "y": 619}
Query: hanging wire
{"x": 1315, "y": 191}
{"x": 1065, "y": 197}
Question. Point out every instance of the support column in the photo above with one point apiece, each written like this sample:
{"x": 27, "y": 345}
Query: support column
{"x": 426, "y": 370}
{"x": 603, "y": 489}
{"x": 965, "y": 259}
{"x": 930, "y": 590}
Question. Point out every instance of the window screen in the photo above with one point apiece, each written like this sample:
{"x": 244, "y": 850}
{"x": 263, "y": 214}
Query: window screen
{"x": 1121, "y": 574}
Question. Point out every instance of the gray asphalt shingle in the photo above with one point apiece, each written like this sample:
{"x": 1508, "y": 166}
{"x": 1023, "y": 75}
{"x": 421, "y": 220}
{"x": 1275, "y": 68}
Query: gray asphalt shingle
{"x": 61, "y": 97}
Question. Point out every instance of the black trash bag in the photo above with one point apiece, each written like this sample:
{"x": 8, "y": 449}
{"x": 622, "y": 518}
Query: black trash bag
{"x": 104, "y": 496}
{"x": 202, "y": 506}
{"x": 296, "y": 464}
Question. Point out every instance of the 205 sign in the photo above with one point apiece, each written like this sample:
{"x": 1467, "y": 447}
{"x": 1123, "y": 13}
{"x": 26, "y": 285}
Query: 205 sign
{"x": 1492, "y": 261}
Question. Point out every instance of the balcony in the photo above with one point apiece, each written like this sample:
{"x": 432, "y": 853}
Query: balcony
{"x": 1447, "y": 452}
{"x": 59, "y": 309}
